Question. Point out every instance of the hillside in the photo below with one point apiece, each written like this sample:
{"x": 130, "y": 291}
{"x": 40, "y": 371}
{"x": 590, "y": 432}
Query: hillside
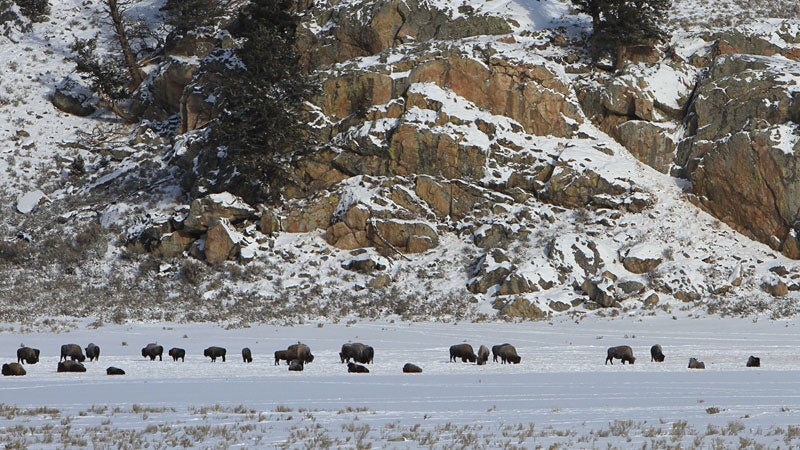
{"x": 473, "y": 162}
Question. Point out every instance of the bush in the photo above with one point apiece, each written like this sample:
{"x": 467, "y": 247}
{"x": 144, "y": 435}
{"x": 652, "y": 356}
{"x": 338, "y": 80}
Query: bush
{"x": 35, "y": 10}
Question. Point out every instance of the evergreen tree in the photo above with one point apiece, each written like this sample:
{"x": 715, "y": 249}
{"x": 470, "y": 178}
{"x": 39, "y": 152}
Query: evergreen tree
{"x": 261, "y": 119}
{"x": 621, "y": 23}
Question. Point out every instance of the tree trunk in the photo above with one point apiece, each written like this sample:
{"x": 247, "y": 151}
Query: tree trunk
{"x": 122, "y": 37}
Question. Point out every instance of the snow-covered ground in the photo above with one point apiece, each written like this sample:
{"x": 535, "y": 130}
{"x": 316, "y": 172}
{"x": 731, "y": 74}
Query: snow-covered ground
{"x": 561, "y": 393}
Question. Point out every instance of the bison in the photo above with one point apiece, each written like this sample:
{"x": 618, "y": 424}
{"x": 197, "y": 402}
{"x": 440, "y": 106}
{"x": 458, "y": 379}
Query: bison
{"x": 695, "y": 364}
{"x": 114, "y": 371}
{"x": 496, "y": 349}
{"x": 13, "y": 369}
{"x": 93, "y": 352}
{"x": 214, "y": 353}
{"x": 296, "y": 365}
{"x": 247, "y": 356}
{"x": 483, "y": 355}
{"x": 70, "y": 366}
{"x": 623, "y": 352}
{"x": 27, "y": 355}
{"x": 356, "y": 368}
{"x": 412, "y": 368}
{"x": 656, "y": 355}
{"x": 508, "y": 354}
{"x": 300, "y": 351}
{"x": 72, "y": 351}
{"x": 367, "y": 356}
{"x": 753, "y": 361}
{"x": 177, "y": 353}
{"x": 282, "y": 355}
{"x": 153, "y": 350}
{"x": 463, "y": 351}
{"x": 351, "y": 351}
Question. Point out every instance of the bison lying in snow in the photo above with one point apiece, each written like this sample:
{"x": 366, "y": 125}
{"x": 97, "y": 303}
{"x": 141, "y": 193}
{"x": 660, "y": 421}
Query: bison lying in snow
{"x": 483, "y": 355}
{"x": 93, "y": 352}
{"x": 214, "y": 353}
{"x": 356, "y": 368}
{"x": 247, "y": 356}
{"x": 70, "y": 366}
{"x": 508, "y": 354}
{"x": 114, "y": 371}
{"x": 72, "y": 351}
{"x": 27, "y": 355}
{"x": 177, "y": 353}
{"x": 753, "y": 361}
{"x": 412, "y": 368}
{"x": 153, "y": 350}
{"x": 13, "y": 369}
{"x": 695, "y": 364}
{"x": 623, "y": 352}
{"x": 463, "y": 351}
{"x": 296, "y": 365}
{"x": 656, "y": 355}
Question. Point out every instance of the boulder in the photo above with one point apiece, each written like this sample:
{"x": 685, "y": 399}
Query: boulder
{"x": 650, "y": 143}
{"x": 642, "y": 258}
{"x": 559, "y": 306}
{"x": 74, "y": 98}
{"x": 365, "y": 263}
{"x": 222, "y": 242}
{"x": 205, "y": 212}
{"x": 517, "y": 283}
{"x": 775, "y": 287}
{"x": 520, "y": 308}
{"x": 600, "y": 290}
{"x": 172, "y": 245}
{"x": 408, "y": 236}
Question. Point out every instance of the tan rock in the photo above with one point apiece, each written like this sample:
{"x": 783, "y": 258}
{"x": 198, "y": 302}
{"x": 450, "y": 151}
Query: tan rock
{"x": 523, "y": 309}
{"x": 222, "y": 243}
{"x": 173, "y": 245}
{"x": 206, "y": 211}
{"x": 357, "y": 217}
{"x": 270, "y": 222}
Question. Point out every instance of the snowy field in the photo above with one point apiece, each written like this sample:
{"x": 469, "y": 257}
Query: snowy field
{"x": 560, "y": 394}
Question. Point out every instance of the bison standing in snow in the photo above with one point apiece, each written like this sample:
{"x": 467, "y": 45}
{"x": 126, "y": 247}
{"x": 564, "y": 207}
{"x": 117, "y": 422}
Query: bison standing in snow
{"x": 508, "y": 354}
{"x": 623, "y": 352}
{"x": 27, "y": 355}
{"x": 483, "y": 355}
{"x": 463, "y": 351}
{"x": 72, "y": 351}
{"x": 656, "y": 355}
{"x": 153, "y": 350}
{"x": 177, "y": 353}
{"x": 247, "y": 356}
{"x": 93, "y": 352}
{"x": 214, "y": 353}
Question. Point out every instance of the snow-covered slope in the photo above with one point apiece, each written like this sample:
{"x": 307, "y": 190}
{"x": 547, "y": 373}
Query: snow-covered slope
{"x": 75, "y": 253}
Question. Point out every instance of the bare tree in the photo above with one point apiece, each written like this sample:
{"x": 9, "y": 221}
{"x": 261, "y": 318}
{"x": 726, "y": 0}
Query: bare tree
{"x": 113, "y": 10}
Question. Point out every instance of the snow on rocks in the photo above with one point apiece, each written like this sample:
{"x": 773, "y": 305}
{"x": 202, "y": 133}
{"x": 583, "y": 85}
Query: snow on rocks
{"x": 29, "y": 201}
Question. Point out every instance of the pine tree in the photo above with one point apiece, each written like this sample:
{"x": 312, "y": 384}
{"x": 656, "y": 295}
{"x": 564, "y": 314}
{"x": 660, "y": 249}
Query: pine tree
{"x": 622, "y": 23}
{"x": 260, "y": 123}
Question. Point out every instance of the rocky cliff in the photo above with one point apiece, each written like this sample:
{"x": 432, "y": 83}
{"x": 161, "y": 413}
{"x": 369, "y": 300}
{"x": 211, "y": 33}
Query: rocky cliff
{"x": 474, "y": 159}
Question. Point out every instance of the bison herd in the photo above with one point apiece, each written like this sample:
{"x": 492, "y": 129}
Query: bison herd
{"x": 354, "y": 354}
{"x": 625, "y": 354}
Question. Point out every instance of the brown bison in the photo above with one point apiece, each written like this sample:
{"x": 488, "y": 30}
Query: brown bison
{"x": 282, "y": 355}
{"x": 623, "y": 352}
{"x": 695, "y": 364}
{"x": 356, "y": 368}
{"x": 27, "y": 355}
{"x": 300, "y": 351}
{"x": 483, "y": 355}
{"x": 412, "y": 368}
{"x": 177, "y": 353}
{"x": 296, "y": 365}
{"x": 463, "y": 351}
{"x": 656, "y": 355}
{"x": 13, "y": 369}
{"x": 72, "y": 351}
{"x": 70, "y": 366}
{"x": 351, "y": 351}
{"x": 153, "y": 350}
{"x": 214, "y": 353}
{"x": 114, "y": 371}
{"x": 495, "y": 349}
{"x": 247, "y": 356}
{"x": 508, "y": 354}
{"x": 93, "y": 352}
{"x": 753, "y": 361}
